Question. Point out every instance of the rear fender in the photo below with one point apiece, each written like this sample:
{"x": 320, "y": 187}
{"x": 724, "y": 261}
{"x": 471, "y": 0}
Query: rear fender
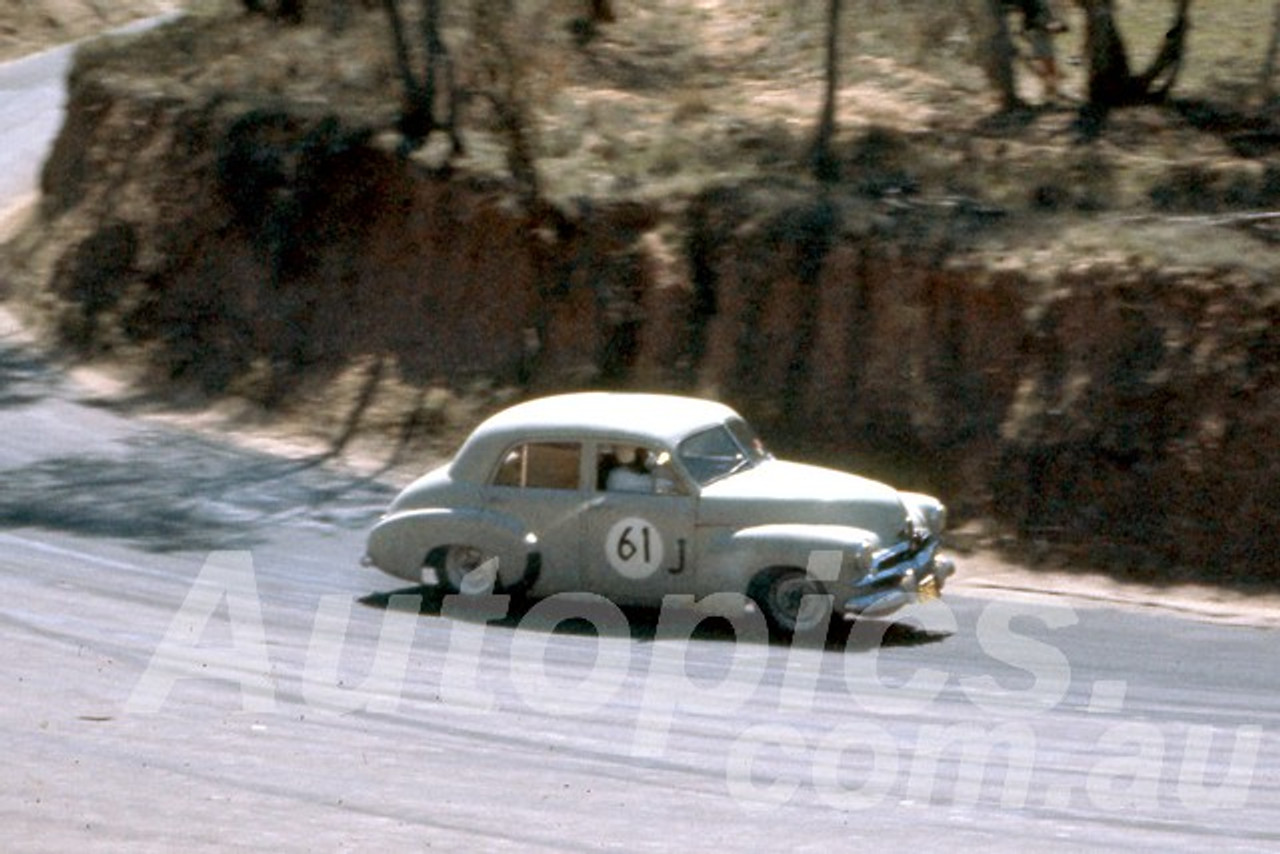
{"x": 400, "y": 542}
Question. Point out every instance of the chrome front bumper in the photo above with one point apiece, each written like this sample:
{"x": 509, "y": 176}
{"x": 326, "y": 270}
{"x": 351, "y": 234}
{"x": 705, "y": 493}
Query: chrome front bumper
{"x": 917, "y": 577}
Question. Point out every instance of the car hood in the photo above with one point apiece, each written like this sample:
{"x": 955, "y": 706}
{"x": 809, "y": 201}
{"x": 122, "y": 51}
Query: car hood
{"x": 778, "y": 492}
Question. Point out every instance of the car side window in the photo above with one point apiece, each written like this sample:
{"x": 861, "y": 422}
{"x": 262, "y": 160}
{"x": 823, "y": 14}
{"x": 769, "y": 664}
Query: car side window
{"x": 540, "y": 465}
{"x": 629, "y": 468}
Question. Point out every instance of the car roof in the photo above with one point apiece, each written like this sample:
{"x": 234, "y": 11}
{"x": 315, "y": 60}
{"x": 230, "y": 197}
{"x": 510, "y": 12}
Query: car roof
{"x": 628, "y": 416}
{"x": 657, "y": 416}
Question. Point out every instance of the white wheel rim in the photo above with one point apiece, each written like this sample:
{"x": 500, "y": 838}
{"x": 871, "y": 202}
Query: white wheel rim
{"x": 468, "y": 571}
{"x": 812, "y": 611}
{"x": 798, "y": 602}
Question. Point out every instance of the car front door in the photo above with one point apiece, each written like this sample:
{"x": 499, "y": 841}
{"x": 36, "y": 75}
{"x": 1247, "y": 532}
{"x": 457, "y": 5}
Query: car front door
{"x": 638, "y": 527}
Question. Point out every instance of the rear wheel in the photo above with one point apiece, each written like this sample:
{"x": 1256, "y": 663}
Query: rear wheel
{"x": 791, "y": 601}
{"x": 465, "y": 569}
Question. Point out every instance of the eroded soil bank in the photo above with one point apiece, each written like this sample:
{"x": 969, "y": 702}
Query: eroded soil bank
{"x": 1113, "y": 406}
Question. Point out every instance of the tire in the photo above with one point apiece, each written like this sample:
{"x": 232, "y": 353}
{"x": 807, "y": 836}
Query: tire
{"x": 464, "y": 569}
{"x": 791, "y": 601}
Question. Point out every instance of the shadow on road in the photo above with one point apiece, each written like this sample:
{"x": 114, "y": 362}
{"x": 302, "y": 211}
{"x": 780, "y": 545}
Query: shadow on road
{"x": 174, "y": 492}
{"x": 24, "y": 379}
{"x": 584, "y": 618}
{"x": 163, "y": 490}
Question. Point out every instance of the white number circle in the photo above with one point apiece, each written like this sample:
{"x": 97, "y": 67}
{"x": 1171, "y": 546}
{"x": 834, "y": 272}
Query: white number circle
{"x": 634, "y": 548}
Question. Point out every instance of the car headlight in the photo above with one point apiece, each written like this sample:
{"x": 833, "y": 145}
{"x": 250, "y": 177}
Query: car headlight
{"x": 935, "y": 517}
{"x": 928, "y": 511}
{"x": 863, "y": 557}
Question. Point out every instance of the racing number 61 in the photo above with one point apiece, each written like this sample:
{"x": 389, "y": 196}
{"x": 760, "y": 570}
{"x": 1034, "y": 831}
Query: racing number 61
{"x": 627, "y": 548}
{"x": 634, "y": 547}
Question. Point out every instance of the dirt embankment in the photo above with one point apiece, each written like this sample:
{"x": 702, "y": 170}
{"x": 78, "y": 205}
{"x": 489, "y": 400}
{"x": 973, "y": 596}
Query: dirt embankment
{"x": 31, "y": 25}
{"x": 1107, "y": 405}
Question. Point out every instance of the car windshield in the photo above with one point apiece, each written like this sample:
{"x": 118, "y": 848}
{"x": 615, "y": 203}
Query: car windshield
{"x": 720, "y": 451}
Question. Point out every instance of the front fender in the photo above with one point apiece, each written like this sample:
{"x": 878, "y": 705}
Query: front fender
{"x": 400, "y": 542}
{"x": 734, "y": 557}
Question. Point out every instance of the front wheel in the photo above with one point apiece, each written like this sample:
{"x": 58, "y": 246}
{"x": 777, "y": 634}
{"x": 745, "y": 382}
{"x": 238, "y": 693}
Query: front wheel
{"x": 792, "y": 602}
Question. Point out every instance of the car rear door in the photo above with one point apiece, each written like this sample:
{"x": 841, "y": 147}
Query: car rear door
{"x": 541, "y": 483}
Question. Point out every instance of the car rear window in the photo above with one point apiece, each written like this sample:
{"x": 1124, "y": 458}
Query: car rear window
{"x": 540, "y": 465}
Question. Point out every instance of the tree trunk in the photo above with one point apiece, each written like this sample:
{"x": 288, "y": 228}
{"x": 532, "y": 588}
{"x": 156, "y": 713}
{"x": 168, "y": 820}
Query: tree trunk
{"x": 504, "y": 66}
{"x": 418, "y": 119}
{"x": 1269, "y": 64}
{"x": 601, "y": 12}
{"x": 439, "y": 62}
{"x": 1000, "y": 54}
{"x": 822, "y": 159}
{"x": 1111, "y": 83}
{"x": 400, "y": 44}
{"x": 290, "y": 11}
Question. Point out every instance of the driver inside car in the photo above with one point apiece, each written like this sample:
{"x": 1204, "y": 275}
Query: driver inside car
{"x": 631, "y": 474}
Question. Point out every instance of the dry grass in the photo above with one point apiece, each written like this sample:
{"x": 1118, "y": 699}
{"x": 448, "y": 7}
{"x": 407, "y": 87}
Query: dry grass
{"x": 30, "y": 25}
{"x": 680, "y": 94}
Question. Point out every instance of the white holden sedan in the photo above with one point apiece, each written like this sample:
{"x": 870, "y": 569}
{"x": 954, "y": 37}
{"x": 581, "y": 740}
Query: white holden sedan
{"x": 638, "y": 496}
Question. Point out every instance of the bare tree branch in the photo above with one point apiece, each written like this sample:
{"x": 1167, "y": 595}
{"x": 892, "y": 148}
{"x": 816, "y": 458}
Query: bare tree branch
{"x": 504, "y": 66}
{"x": 1157, "y": 81}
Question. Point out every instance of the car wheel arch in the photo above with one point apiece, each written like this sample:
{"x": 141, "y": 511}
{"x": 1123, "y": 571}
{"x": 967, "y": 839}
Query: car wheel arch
{"x": 407, "y": 541}
{"x": 733, "y": 559}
